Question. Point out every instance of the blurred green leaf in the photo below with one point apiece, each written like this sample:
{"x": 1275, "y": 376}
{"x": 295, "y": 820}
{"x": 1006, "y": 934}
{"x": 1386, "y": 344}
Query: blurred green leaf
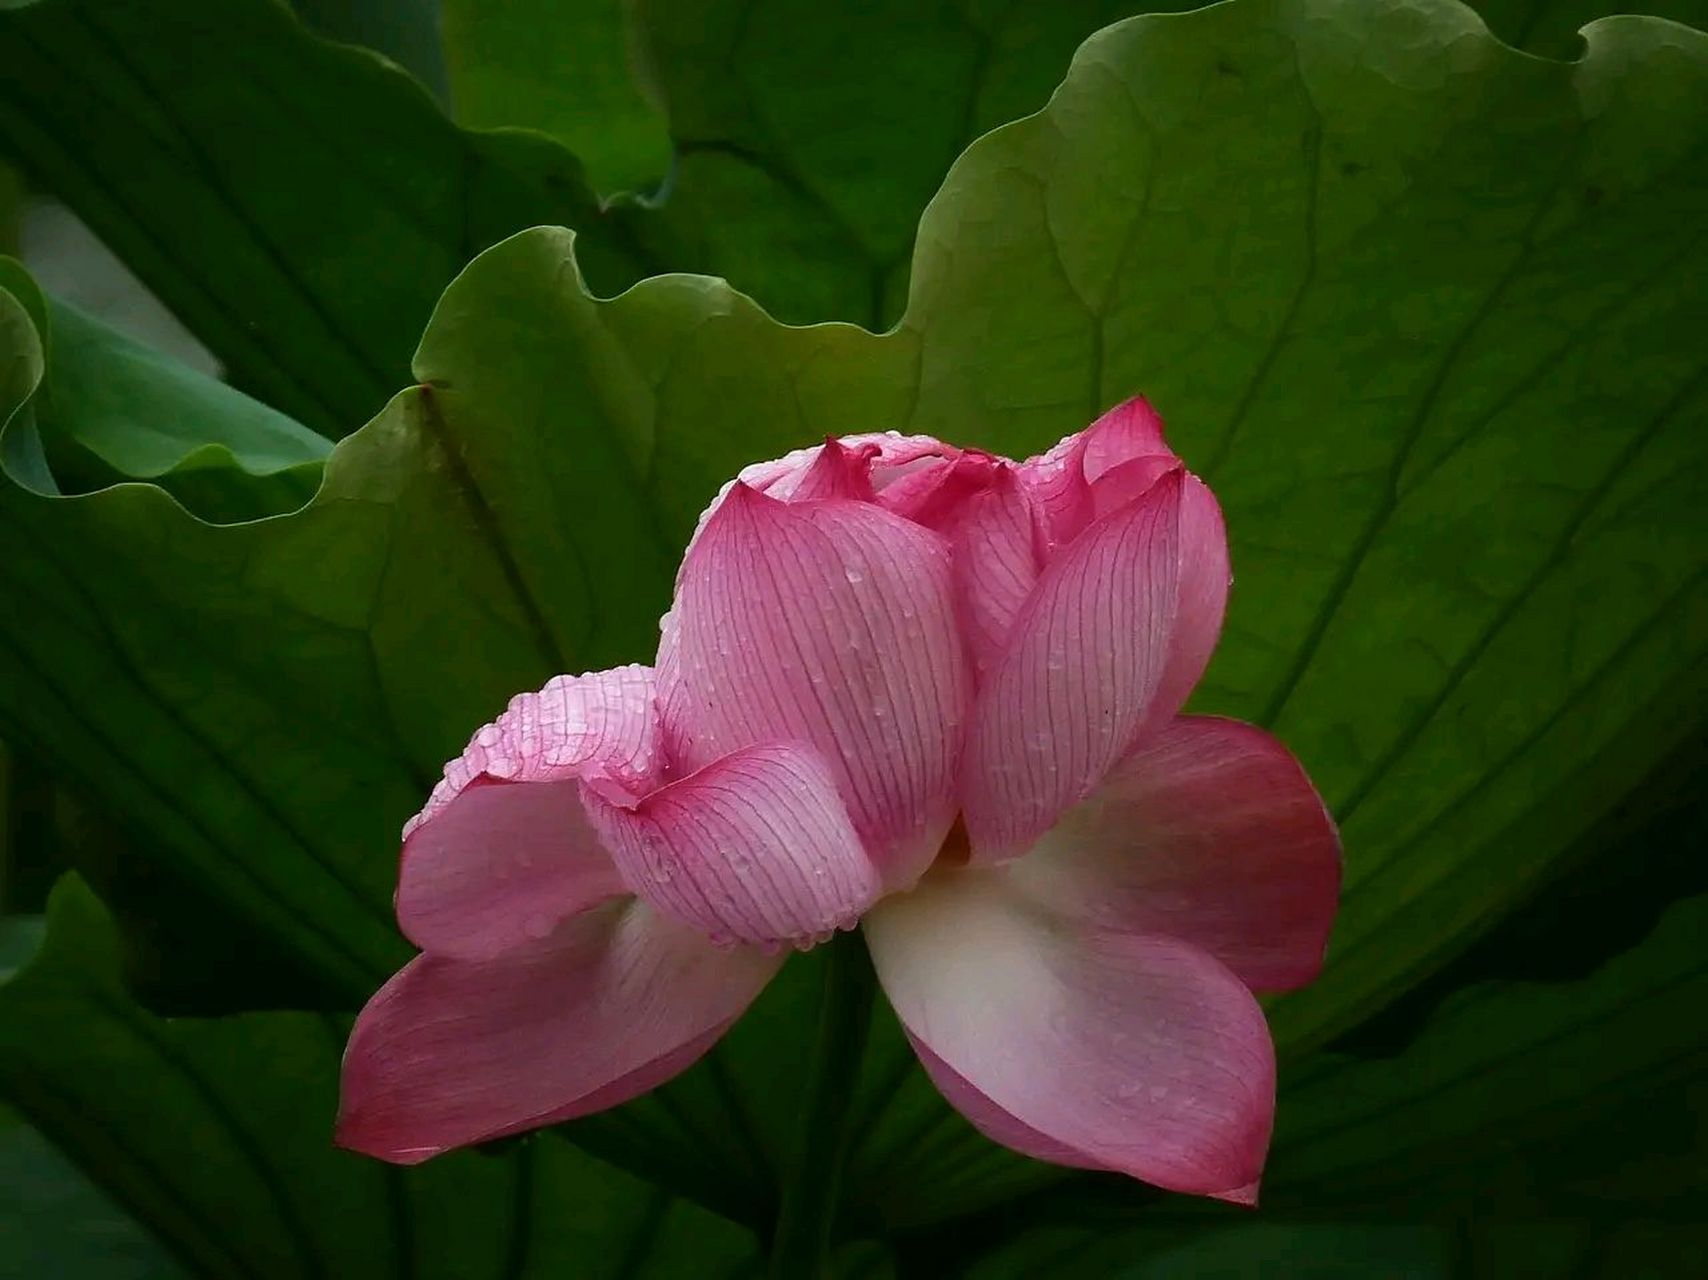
{"x": 56, "y": 1223}
{"x": 218, "y": 1134}
{"x": 298, "y": 204}
{"x": 96, "y": 378}
{"x": 1603, "y": 899}
{"x": 1550, "y": 27}
{"x": 406, "y": 31}
{"x": 30, "y": 860}
{"x": 1421, "y": 308}
{"x": 225, "y": 456}
{"x": 565, "y": 70}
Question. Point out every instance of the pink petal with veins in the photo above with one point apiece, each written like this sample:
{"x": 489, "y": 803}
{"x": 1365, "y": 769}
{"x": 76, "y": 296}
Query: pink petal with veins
{"x": 1210, "y": 833}
{"x": 830, "y": 624}
{"x": 1103, "y": 1048}
{"x": 502, "y": 849}
{"x": 1107, "y": 647}
{"x": 1064, "y": 482}
{"x": 993, "y": 537}
{"x": 612, "y": 1003}
{"x": 755, "y": 847}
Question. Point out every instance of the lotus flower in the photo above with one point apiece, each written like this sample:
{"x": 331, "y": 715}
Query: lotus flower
{"x": 918, "y": 688}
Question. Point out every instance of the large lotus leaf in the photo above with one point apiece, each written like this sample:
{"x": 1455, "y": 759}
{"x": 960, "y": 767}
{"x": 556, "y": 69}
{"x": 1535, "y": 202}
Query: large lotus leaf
{"x": 807, "y": 139}
{"x": 565, "y": 70}
{"x": 1419, "y": 306}
{"x": 829, "y": 129}
{"x": 218, "y": 1134}
{"x": 298, "y": 204}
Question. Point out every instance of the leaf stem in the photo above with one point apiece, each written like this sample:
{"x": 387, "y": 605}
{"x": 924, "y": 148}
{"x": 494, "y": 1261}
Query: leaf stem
{"x": 813, "y": 1176}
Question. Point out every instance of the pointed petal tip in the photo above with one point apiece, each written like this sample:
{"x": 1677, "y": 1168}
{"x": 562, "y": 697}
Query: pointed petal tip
{"x": 353, "y": 1133}
{"x": 1130, "y": 429}
{"x": 1245, "y": 1197}
{"x": 741, "y": 494}
{"x": 1109, "y": 642}
{"x": 837, "y": 471}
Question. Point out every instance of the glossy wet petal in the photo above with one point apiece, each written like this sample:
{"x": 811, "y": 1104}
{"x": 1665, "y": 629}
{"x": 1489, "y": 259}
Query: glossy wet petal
{"x": 832, "y": 624}
{"x": 613, "y": 1003}
{"x": 1093, "y": 471}
{"x": 993, "y": 538}
{"x": 756, "y": 846}
{"x": 502, "y": 847}
{"x": 1108, "y": 645}
{"x": 1211, "y": 833}
{"x": 1103, "y": 1047}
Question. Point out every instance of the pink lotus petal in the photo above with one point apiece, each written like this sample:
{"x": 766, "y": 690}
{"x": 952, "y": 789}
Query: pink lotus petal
{"x": 1121, "y": 484}
{"x": 756, "y": 846}
{"x": 1111, "y": 641}
{"x": 613, "y": 1003}
{"x": 932, "y": 494}
{"x": 831, "y": 624}
{"x": 1204, "y": 576}
{"x": 978, "y": 502}
{"x": 1101, "y": 1048}
{"x": 1132, "y": 429}
{"x": 1210, "y": 833}
{"x": 502, "y": 847}
{"x": 890, "y": 456}
{"x": 837, "y": 472}
{"x": 1064, "y": 481}
{"x": 994, "y": 542}
{"x": 991, "y": 1120}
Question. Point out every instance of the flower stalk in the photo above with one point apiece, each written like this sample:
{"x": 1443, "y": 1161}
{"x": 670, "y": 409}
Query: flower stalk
{"x": 813, "y": 1178}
